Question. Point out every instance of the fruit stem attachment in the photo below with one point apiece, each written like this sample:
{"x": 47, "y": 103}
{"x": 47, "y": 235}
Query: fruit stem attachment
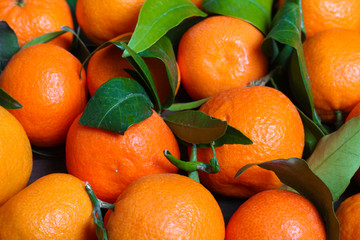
{"x": 96, "y": 213}
{"x": 339, "y": 118}
{"x": 193, "y": 158}
{"x": 192, "y": 166}
{"x": 20, "y": 3}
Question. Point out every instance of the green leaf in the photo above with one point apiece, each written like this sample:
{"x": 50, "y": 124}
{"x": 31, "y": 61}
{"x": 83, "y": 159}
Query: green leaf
{"x": 125, "y": 38}
{"x": 296, "y": 173}
{"x": 142, "y": 69}
{"x": 188, "y": 105}
{"x": 196, "y": 127}
{"x": 286, "y": 31}
{"x": 9, "y": 44}
{"x": 47, "y": 37}
{"x": 157, "y": 17}
{"x": 337, "y": 157}
{"x": 164, "y": 51}
{"x": 81, "y": 49}
{"x": 313, "y": 134}
{"x": 256, "y": 12}
{"x": 231, "y": 136}
{"x": 7, "y": 101}
{"x": 116, "y": 105}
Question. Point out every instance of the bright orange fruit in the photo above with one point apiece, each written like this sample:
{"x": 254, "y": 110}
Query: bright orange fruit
{"x": 270, "y": 120}
{"x": 219, "y": 53}
{"x": 276, "y": 214}
{"x": 166, "y": 206}
{"x": 110, "y": 161}
{"x": 32, "y": 18}
{"x": 46, "y": 80}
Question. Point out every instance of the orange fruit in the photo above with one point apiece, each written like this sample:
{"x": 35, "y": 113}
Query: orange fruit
{"x": 15, "y": 156}
{"x": 45, "y": 79}
{"x": 219, "y": 53}
{"x": 32, "y": 18}
{"x": 270, "y": 120}
{"x": 166, "y": 206}
{"x": 55, "y": 207}
{"x": 121, "y": 17}
{"x": 333, "y": 62}
{"x": 276, "y": 214}
{"x": 348, "y": 215}
{"x": 110, "y": 161}
{"x": 320, "y": 15}
{"x": 108, "y": 63}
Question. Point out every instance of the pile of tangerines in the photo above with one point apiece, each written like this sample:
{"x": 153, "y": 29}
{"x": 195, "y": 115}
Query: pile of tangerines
{"x": 257, "y": 82}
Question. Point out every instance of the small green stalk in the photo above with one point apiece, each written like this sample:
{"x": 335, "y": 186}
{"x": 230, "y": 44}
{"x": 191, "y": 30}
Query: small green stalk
{"x": 192, "y": 166}
{"x": 96, "y": 213}
{"x": 193, "y": 159}
{"x": 20, "y": 3}
{"x": 215, "y": 167}
{"x": 339, "y": 119}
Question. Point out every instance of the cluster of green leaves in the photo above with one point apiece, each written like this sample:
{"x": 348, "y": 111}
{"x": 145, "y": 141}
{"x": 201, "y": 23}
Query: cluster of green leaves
{"x": 121, "y": 102}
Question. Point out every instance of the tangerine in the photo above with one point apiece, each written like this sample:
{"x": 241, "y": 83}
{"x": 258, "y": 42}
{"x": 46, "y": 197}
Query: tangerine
{"x": 276, "y": 214}
{"x": 46, "y": 80}
{"x": 15, "y": 156}
{"x": 166, "y": 206}
{"x": 333, "y": 62}
{"x": 270, "y": 120}
{"x": 32, "y": 18}
{"x": 55, "y": 207}
{"x": 219, "y": 53}
{"x": 110, "y": 161}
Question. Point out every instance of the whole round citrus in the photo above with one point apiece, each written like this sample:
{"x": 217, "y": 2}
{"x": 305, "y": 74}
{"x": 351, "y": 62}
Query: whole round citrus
{"x": 333, "y": 62}
{"x": 320, "y": 15}
{"x": 276, "y": 214}
{"x": 166, "y": 206}
{"x": 270, "y": 120}
{"x": 46, "y": 80}
{"x": 32, "y": 18}
{"x": 55, "y": 206}
{"x": 219, "y": 53}
{"x": 108, "y": 63}
{"x": 348, "y": 215}
{"x": 121, "y": 17}
{"x": 110, "y": 161}
{"x": 15, "y": 156}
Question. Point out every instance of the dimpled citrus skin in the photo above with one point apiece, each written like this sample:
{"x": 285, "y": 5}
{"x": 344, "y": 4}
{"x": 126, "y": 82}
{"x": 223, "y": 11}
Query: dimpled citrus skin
{"x": 110, "y": 161}
{"x": 270, "y": 120}
{"x": 276, "y": 214}
{"x": 320, "y": 15}
{"x": 36, "y": 18}
{"x": 166, "y": 206}
{"x": 348, "y": 215}
{"x": 219, "y": 53}
{"x": 55, "y": 207}
{"x": 15, "y": 156}
{"x": 49, "y": 88}
{"x": 333, "y": 62}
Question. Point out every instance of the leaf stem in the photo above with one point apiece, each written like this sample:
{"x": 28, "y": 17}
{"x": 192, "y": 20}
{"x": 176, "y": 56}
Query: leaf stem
{"x": 96, "y": 213}
{"x": 339, "y": 119}
{"x": 193, "y": 158}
